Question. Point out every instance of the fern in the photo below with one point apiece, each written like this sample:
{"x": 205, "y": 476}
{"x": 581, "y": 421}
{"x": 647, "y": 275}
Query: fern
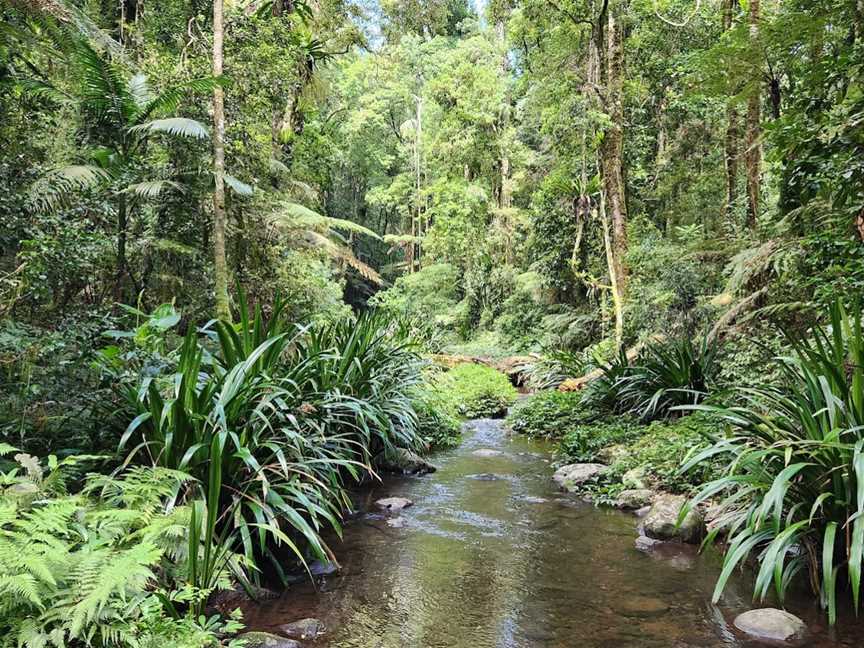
{"x": 80, "y": 569}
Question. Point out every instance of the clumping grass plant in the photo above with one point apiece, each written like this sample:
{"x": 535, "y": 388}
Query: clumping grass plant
{"x": 274, "y": 422}
{"x": 792, "y": 496}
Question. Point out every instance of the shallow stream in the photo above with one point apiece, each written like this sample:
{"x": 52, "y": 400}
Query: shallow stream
{"x": 491, "y": 555}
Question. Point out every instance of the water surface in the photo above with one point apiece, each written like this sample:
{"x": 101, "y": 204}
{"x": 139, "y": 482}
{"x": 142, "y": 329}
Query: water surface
{"x": 491, "y": 555}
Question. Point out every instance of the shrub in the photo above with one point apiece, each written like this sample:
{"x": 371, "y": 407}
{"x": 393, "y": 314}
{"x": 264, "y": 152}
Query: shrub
{"x": 477, "y": 391}
{"x": 550, "y": 414}
{"x": 668, "y": 375}
{"x": 429, "y": 299}
{"x": 658, "y": 450}
{"x": 584, "y": 442}
{"x": 438, "y": 421}
{"x": 793, "y": 489}
{"x": 274, "y": 422}
{"x": 554, "y": 367}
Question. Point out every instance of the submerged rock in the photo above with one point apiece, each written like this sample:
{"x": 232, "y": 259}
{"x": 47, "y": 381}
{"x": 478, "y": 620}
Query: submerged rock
{"x": 644, "y": 543}
{"x": 642, "y": 606}
{"x": 321, "y": 568}
{"x": 393, "y": 504}
{"x": 571, "y": 476}
{"x": 771, "y": 624}
{"x": 661, "y": 522}
{"x": 635, "y": 498}
{"x": 485, "y": 477}
{"x": 267, "y": 640}
{"x": 405, "y": 462}
{"x": 396, "y": 523}
{"x": 307, "y": 629}
{"x": 487, "y": 452}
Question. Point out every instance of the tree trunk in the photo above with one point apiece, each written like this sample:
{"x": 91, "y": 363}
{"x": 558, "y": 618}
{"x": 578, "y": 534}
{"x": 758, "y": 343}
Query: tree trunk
{"x": 753, "y": 153}
{"x": 614, "y": 276}
{"x": 612, "y": 148}
{"x": 220, "y": 262}
{"x": 505, "y": 199}
{"x": 733, "y": 136}
{"x": 122, "y": 229}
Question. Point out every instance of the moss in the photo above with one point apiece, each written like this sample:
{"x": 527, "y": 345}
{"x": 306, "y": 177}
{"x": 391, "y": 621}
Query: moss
{"x": 653, "y": 453}
{"x": 476, "y": 391}
{"x": 550, "y": 414}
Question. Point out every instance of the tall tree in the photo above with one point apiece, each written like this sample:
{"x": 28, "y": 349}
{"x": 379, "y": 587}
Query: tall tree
{"x": 220, "y": 261}
{"x": 610, "y": 49}
{"x": 753, "y": 152}
{"x": 733, "y": 135}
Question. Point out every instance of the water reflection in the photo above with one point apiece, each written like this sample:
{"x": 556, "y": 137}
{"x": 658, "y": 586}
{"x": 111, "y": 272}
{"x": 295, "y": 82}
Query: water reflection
{"x": 491, "y": 555}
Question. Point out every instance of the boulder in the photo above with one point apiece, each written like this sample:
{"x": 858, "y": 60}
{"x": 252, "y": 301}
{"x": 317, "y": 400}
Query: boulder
{"x": 394, "y": 504}
{"x": 306, "y": 629}
{"x": 572, "y": 476}
{"x": 635, "y": 479}
{"x": 642, "y": 512}
{"x": 267, "y": 640}
{"x": 487, "y": 452}
{"x": 612, "y": 453}
{"x": 771, "y": 624}
{"x": 636, "y": 498}
{"x": 404, "y": 462}
{"x": 661, "y": 522}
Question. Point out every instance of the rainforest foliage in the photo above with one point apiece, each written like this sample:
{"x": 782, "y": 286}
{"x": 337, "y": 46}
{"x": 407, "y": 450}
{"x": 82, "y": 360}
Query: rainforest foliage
{"x": 241, "y": 241}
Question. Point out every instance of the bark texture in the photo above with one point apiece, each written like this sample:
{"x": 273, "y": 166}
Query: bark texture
{"x": 220, "y": 261}
{"x": 753, "y": 152}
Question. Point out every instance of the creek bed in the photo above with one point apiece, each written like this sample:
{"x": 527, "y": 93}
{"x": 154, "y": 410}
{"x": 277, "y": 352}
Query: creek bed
{"x": 491, "y": 555}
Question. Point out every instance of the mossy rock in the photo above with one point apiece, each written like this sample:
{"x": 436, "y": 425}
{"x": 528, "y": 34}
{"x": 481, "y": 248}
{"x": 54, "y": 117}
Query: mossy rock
{"x": 267, "y": 640}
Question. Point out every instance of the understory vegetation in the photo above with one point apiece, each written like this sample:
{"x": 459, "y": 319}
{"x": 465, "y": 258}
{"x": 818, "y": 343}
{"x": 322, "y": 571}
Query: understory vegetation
{"x": 251, "y": 251}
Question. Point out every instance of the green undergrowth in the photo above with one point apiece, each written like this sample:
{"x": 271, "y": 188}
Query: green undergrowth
{"x": 438, "y": 420}
{"x": 638, "y": 455}
{"x": 474, "y": 391}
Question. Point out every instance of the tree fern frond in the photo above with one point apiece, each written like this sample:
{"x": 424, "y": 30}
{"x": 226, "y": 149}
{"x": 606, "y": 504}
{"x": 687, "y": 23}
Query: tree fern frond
{"x": 296, "y": 216}
{"x": 103, "y": 575}
{"x": 314, "y": 239}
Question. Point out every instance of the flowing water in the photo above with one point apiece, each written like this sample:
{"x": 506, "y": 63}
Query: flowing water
{"x": 491, "y": 555}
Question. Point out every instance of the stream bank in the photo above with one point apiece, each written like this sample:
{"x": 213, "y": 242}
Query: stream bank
{"x": 492, "y": 554}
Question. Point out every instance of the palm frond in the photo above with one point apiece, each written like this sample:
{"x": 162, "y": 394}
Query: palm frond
{"x": 238, "y": 186}
{"x": 179, "y": 126}
{"x": 153, "y": 188}
{"x": 56, "y": 187}
{"x": 169, "y": 100}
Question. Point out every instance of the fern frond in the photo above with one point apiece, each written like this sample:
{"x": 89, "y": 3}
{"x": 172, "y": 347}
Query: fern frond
{"x": 296, "y": 216}
{"x": 314, "y": 239}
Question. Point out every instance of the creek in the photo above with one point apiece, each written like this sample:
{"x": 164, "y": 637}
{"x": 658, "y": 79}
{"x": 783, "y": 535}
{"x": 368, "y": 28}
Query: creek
{"x": 492, "y": 555}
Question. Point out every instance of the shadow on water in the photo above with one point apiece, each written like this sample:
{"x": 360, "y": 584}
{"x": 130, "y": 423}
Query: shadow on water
{"x": 491, "y": 555}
